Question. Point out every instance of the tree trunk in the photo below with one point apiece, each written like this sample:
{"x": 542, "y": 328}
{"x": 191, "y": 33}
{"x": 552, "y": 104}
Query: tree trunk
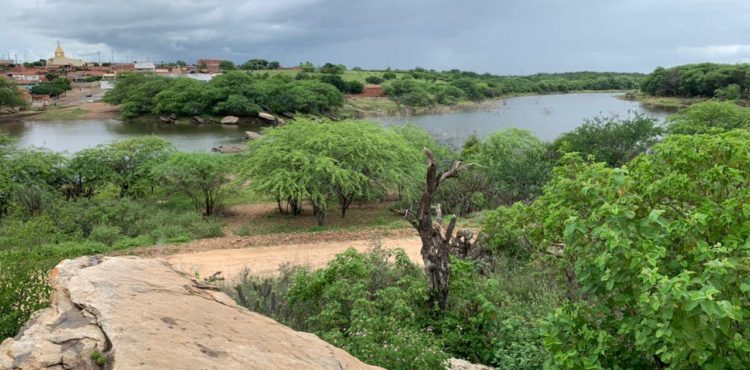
{"x": 320, "y": 215}
{"x": 437, "y": 242}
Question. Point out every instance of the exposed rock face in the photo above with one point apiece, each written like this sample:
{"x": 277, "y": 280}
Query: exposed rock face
{"x": 143, "y": 314}
{"x": 458, "y": 364}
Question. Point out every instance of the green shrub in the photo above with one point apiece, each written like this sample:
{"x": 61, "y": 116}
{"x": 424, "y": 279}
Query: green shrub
{"x": 354, "y": 87}
{"x": 373, "y": 305}
{"x": 709, "y": 117}
{"x": 610, "y": 139}
{"x": 375, "y": 80}
{"x": 106, "y": 234}
{"x": 661, "y": 252}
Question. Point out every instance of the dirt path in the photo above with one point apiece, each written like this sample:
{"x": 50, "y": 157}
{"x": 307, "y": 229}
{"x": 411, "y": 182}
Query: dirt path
{"x": 264, "y": 254}
{"x": 267, "y": 260}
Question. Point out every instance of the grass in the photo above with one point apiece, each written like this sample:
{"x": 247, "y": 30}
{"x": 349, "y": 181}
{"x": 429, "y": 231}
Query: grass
{"x": 55, "y": 113}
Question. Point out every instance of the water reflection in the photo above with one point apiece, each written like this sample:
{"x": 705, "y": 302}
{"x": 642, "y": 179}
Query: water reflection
{"x": 547, "y": 116}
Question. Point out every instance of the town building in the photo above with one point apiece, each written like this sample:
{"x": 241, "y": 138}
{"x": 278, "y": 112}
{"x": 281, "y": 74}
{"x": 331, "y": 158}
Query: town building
{"x": 145, "y": 67}
{"x": 61, "y": 60}
{"x": 208, "y": 66}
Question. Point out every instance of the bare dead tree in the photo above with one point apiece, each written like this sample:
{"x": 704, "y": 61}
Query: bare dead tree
{"x": 437, "y": 241}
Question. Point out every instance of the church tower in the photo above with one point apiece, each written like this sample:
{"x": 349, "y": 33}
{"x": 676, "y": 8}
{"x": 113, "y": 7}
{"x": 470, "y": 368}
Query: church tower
{"x": 59, "y": 52}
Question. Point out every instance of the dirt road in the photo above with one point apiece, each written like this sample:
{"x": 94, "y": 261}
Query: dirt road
{"x": 266, "y": 260}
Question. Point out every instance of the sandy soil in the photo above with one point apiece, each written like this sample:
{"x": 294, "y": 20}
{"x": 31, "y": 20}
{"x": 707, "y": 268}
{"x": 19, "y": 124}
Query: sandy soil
{"x": 264, "y": 261}
{"x": 264, "y": 254}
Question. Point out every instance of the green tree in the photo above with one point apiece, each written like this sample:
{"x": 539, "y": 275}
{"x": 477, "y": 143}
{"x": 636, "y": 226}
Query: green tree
{"x": 131, "y": 161}
{"x": 200, "y": 176}
{"x": 515, "y": 161}
{"x": 610, "y": 139}
{"x": 255, "y": 64}
{"x": 374, "y": 80}
{"x": 86, "y": 172}
{"x": 330, "y": 68}
{"x": 226, "y": 65}
{"x": 332, "y": 161}
{"x": 182, "y": 96}
{"x": 354, "y": 87}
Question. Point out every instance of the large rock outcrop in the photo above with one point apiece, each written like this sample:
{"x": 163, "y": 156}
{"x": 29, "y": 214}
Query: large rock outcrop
{"x": 135, "y": 313}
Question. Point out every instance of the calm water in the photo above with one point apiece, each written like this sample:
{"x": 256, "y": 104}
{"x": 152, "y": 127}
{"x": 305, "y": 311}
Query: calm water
{"x": 72, "y": 136}
{"x": 547, "y": 116}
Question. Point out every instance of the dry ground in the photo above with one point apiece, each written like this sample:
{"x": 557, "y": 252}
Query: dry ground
{"x": 270, "y": 240}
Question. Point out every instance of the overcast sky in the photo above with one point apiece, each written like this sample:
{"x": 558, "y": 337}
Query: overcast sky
{"x": 496, "y": 36}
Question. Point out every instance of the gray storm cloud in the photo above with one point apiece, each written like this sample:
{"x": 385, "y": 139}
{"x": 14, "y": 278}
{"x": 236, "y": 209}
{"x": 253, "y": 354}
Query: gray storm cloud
{"x": 497, "y": 36}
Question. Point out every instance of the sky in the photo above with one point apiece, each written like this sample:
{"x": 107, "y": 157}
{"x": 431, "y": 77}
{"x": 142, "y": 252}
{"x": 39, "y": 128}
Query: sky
{"x": 495, "y": 36}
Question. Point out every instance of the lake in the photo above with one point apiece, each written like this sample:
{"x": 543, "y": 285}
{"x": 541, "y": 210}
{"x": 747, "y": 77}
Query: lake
{"x": 547, "y": 116}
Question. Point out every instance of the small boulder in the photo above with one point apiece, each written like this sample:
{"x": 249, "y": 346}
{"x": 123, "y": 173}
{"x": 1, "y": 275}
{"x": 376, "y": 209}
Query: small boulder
{"x": 252, "y": 135}
{"x": 267, "y": 116}
{"x": 198, "y": 120}
{"x": 230, "y": 120}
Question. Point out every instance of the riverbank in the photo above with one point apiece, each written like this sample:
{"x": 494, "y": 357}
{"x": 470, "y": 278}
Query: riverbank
{"x": 384, "y": 107}
{"x": 662, "y": 102}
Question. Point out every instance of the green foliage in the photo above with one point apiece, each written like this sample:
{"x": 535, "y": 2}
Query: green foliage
{"x": 99, "y": 358}
{"x": 515, "y": 162}
{"x": 227, "y": 65}
{"x": 354, "y": 87}
{"x": 198, "y": 175}
{"x": 610, "y": 139}
{"x": 234, "y": 92}
{"x": 52, "y": 88}
{"x": 729, "y": 92}
{"x": 319, "y": 162}
{"x": 421, "y": 88}
{"x": 372, "y": 305}
{"x": 709, "y": 117}
{"x": 375, "y": 80}
{"x": 130, "y": 162}
{"x": 255, "y": 64}
{"x": 10, "y": 96}
{"x": 727, "y": 81}
{"x": 335, "y": 69}
{"x": 658, "y": 249}
{"x": 335, "y": 80}
{"x": 182, "y": 96}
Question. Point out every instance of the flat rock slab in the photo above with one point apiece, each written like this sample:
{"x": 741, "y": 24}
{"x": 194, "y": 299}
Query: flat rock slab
{"x": 143, "y": 314}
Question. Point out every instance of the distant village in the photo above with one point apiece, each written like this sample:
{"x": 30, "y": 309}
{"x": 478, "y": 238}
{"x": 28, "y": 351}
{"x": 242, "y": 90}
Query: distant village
{"x": 83, "y": 74}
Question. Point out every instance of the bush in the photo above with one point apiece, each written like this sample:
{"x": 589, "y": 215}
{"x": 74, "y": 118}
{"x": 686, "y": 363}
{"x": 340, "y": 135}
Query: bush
{"x": 709, "y": 117}
{"x": 611, "y": 140}
{"x": 515, "y": 162}
{"x": 373, "y": 305}
{"x": 660, "y": 251}
{"x": 354, "y": 87}
{"x": 375, "y": 80}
